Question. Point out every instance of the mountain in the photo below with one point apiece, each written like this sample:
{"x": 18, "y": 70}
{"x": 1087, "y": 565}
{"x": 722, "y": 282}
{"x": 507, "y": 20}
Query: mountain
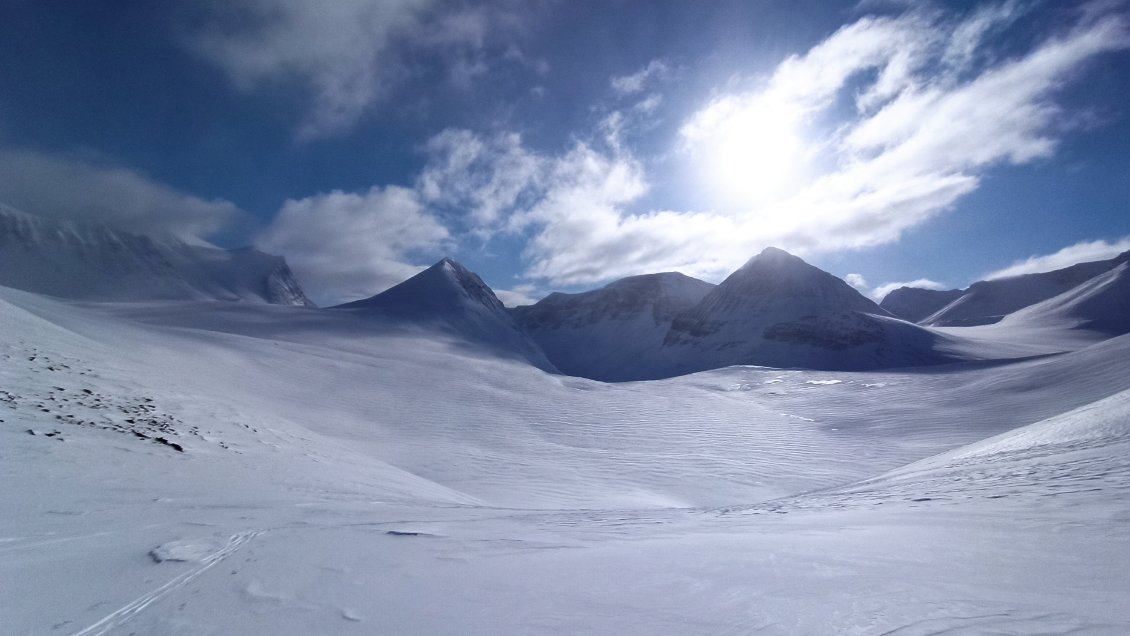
{"x": 454, "y": 300}
{"x": 1101, "y": 304}
{"x": 778, "y": 310}
{"x": 915, "y": 304}
{"x": 95, "y": 262}
{"x": 987, "y": 302}
{"x": 602, "y": 334}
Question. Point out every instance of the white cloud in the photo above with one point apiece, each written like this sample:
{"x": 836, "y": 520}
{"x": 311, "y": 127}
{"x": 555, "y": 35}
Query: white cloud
{"x": 931, "y": 118}
{"x": 1083, "y": 252}
{"x": 68, "y": 187}
{"x": 928, "y": 122}
{"x": 344, "y": 246}
{"x": 347, "y": 53}
{"x": 856, "y": 280}
{"x": 482, "y": 178}
{"x": 518, "y": 296}
{"x": 638, "y": 81}
{"x": 880, "y": 292}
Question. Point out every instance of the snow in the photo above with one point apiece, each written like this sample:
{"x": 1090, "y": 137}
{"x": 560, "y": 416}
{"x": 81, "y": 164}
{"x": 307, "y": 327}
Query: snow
{"x": 399, "y": 466}
{"x": 987, "y": 302}
{"x": 92, "y": 261}
{"x": 450, "y": 298}
{"x": 602, "y": 334}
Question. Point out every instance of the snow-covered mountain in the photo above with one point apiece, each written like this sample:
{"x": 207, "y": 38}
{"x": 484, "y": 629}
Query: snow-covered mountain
{"x": 987, "y": 302}
{"x": 778, "y": 310}
{"x": 1101, "y": 304}
{"x": 915, "y": 304}
{"x": 454, "y": 300}
{"x": 92, "y": 261}
{"x": 603, "y": 333}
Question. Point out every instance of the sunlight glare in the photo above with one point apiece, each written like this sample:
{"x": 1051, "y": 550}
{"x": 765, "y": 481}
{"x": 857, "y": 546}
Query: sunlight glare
{"x": 752, "y": 153}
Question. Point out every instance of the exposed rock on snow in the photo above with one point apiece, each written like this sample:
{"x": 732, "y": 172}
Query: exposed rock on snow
{"x": 194, "y": 551}
{"x": 92, "y": 261}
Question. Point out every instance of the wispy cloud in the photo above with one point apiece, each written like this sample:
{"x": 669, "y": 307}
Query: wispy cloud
{"x": 880, "y": 292}
{"x": 857, "y": 281}
{"x": 518, "y": 296}
{"x": 344, "y": 246}
{"x": 638, "y": 81}
{"x": 934, "y": 108}
{"x": 345, "y": 54}
{"x": 930, "y": 118}
{"x": 69, "y": 187}
{"x": 1082, "y": 252}
{"x": 883, "y": 125}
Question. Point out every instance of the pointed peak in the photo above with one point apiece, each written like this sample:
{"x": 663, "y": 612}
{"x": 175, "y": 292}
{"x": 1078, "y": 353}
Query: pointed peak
{"x": 776, "y": 260}
{"x": 775, "y": 255}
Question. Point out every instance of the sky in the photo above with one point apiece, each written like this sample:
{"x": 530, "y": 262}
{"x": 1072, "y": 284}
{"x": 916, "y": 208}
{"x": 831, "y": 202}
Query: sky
{"x": 552, "y": 145}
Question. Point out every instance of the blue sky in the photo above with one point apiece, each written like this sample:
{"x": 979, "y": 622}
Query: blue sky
{"x": 559, "y": 145}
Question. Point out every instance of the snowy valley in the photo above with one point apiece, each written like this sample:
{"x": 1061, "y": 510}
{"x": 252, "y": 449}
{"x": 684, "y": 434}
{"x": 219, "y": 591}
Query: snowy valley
{"x": 775, "y": 454}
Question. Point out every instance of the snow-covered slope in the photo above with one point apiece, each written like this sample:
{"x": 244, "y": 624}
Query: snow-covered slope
{"x": 1101, "y": 305}
{"x": 336, "y": 479}
{"x": 986, "y": 302}
{"x": 915, "y": 304}
{"x": 602, "y": 334}
{"x": 779, "y": 311}
{"x": 91, "y": 261}
{"x": 450, "y": 298}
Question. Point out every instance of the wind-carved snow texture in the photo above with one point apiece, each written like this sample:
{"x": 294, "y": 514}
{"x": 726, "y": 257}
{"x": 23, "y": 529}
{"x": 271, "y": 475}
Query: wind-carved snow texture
{"x": 383, "y": 469}
{"x": 91, "y": 261}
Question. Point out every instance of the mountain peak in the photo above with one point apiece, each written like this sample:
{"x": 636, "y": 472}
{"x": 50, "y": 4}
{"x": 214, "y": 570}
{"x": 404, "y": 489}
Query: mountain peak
{"x": 440, "y": 288}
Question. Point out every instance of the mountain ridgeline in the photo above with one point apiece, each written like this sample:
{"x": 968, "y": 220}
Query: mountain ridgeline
{"x": 95, "y": 262}
{"x": 774, "y": 311}
{"x": 988, "y": 302}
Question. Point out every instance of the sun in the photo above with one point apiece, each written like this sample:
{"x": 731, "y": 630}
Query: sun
{"x": 749, "y": 153}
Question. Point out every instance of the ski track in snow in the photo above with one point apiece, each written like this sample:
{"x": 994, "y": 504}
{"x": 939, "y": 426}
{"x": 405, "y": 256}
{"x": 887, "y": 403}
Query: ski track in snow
{"x": 120, "y": 616}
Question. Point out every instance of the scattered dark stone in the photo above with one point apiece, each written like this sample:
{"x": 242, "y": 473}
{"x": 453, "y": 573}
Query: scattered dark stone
{"x": 173, "y": 445}
{"x": 88, "y": 391}
{"x": 923, "y": 499}
{"x": 404, "y": 533}
{"x": 30, "y": 432}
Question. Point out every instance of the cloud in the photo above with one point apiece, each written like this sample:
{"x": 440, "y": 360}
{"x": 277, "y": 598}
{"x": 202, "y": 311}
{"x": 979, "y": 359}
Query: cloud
{"x": 880, "y": 292}
{"x": 856, "y": 280}
{"x": 638, "y": 81}
{"x": 67, "y": 187}
{"x": 516, "y": 297}
{"x": 344, "y": 246}
{"x": 931, "y": 116}
{"x": 476, "y": 177}
{"x": 1083, "y": 252}
{"x": 882, "y": 126}
{"x": 347, "y": 54}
